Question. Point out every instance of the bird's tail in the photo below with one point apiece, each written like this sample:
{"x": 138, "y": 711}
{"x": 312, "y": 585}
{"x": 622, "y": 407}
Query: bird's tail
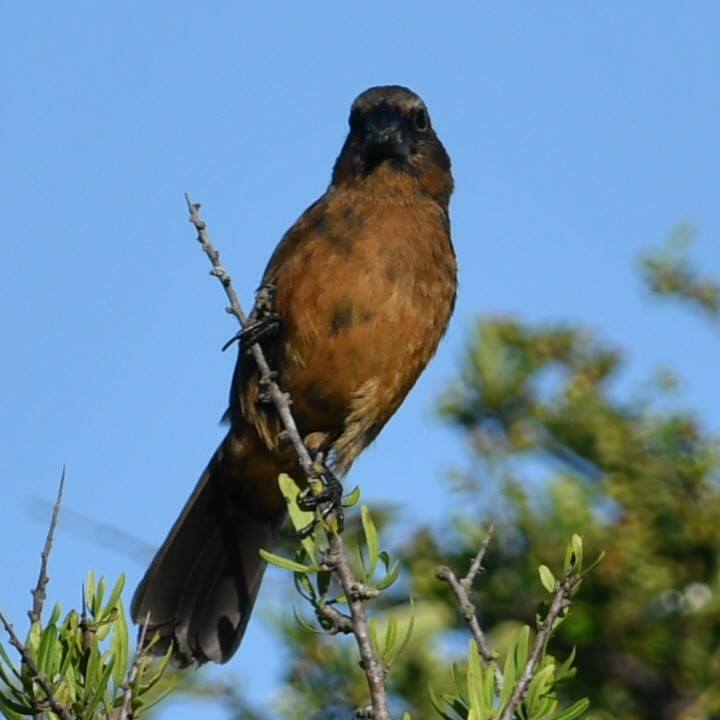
{"x": 201, "y": 586}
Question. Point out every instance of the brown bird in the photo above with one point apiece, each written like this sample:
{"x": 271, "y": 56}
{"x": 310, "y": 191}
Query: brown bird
{"x": 364, "y": 287}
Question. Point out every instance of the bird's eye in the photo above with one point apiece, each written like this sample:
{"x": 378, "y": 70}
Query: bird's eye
{"x": 421, "y": 119}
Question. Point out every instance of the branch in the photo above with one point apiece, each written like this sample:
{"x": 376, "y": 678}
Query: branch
{"x": 373, "y": 668}
{"x": 559, "y": 603}
{"x": 341, "y": 623}
{"x": 38, "y": 593}
{"x": 57, "y": 707}
{"x": 461, "y": 590}
{"x": 374, "y": 671}
{"x": 140, "y": 653}
{"x": 280, "y": 399}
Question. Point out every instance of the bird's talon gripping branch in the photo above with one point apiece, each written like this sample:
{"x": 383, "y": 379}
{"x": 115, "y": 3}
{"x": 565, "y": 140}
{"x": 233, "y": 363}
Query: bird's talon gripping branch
{"x": 264, "y": 321}
{"x": 263, "y": 329}
{"x": 323, "y": 494}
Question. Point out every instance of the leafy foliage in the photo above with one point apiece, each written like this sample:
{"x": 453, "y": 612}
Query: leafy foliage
{"x": 528, "y": 681}
{"x": 85, "y": 661}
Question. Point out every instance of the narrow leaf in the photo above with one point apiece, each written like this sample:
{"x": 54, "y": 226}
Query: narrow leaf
{"x": 547, "y": 578}
{"x": 119, "y": 645}
{"x": 577, "y": 548}
{"x": 371, "y": 539}
{"x": 284, "y": 562}
{"x": 300, "y": 518}
{"x": 574, "y": 711}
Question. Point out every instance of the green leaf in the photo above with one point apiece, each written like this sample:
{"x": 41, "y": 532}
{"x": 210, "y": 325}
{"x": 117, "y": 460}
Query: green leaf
{"x": 284, "y": 562}
{"x": 372, "y": 628}
{"x": 303, "y": 624}
{"x": 574, "y": 711}
{"x": 96, "y": 606}
{"x": 100, "y": 686}
{"x": 599, "y": 559}
{"x": 521, "y": 649}
{"x": 90, "y": 589}
{"x": 439, "y": 705}
{"x": 408, "y": 633}
{"x": 33, "y": 638}
{"x": 577, "y": 548}
{"x": 119, "y": 644}
{"x": 46, "y": 658}
{"x": 458, "y": 682}
{"x": 565, "y": 668}
{"x": 13, "y": 710}
{"x": 547, "y": 578}
{"x": 304, "y": 586}
{"x": 352, "y": 497}
{"x": 69, "y": 675}
{"x": 476, "y": 687}
{"x": 539, "y": 687}
{"x": 299, "y": 518}
{"x": 390, "y": 636}
{"x": 371, "y": 539}
{"x": 392, "y": 574}
{"x": 513, "y": 666}
{"x": 113, "y": 600}
{"x": 55, "y": 614}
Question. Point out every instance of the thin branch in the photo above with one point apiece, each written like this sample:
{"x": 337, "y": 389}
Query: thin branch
{"x": 558, "y": 605}
{"x": 280, "y": 399}
{"x": 140, "y": 653}
{"x": 373, "y": 668}
{"x": 38, "y": 593}
{"x": 374, "y": 671}
{"x": 476, "y": 567}
{"x": 461, "y": 590}
{"x": 341, "y": 623}
{"x": 57, "y": 707}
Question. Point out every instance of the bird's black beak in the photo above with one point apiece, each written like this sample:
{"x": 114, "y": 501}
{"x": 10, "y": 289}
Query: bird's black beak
{"x": 386, "y": 134}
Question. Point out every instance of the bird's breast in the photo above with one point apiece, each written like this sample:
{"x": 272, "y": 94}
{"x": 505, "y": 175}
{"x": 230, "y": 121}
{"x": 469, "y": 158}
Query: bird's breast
{"x": 364, "y": 298}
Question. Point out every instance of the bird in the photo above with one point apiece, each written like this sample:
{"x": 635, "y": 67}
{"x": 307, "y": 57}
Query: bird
{"x": 363, "y": 287}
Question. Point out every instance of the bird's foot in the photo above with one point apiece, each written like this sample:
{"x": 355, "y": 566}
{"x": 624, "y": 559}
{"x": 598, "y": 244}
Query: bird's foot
{"x": 264, "y": 322}
{"x": 324, "y": 495}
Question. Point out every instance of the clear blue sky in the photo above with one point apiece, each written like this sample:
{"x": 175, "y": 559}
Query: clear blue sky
{"x": 580, "y": 133}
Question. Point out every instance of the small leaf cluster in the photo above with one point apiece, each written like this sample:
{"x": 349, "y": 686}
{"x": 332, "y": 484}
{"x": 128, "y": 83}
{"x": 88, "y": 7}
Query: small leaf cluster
{"x": 526, "y": 685}
{"x": 313, "y": 574}
{"x": 83, "y": 659}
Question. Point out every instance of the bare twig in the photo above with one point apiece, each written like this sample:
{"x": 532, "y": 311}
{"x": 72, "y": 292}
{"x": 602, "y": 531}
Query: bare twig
{"x": 140, "y": 653}
{"x": 341, "y": 623}
{"x": 559, "y": 603}
{"x": 373, "y": 668}
{"x": 461, "y": 590}
{"x": 476, "y": 567}
{"x": 57, "y": 707}
{"x": 374, "y": 671}
{"x": 280, "y": 399}
{"x": 38, "y": 593}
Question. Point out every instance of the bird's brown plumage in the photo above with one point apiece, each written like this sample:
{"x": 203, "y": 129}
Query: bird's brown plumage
{"x": 365, "y": 284}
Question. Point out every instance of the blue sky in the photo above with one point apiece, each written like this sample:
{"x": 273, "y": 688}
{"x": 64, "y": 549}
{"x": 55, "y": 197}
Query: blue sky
{"x": 580, "y": 133}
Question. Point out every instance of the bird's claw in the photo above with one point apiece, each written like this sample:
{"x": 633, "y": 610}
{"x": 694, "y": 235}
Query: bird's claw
{"x": 264, "y": 322}
{"x": 324, "y": 495}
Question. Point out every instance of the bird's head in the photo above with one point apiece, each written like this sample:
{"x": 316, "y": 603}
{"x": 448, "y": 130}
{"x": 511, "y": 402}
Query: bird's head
{"x": 390, "y": 131}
